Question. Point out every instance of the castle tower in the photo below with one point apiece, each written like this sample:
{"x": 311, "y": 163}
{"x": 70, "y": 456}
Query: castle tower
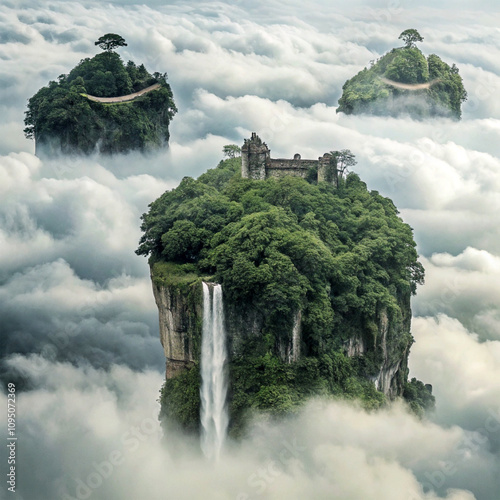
{"x": 325, "y": 168}
{"x": 254, "y": 156}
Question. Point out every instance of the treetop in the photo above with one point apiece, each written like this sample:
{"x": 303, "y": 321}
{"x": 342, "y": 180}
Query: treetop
{"x": 110, "y": 41}
{"x": 410, "y": 36}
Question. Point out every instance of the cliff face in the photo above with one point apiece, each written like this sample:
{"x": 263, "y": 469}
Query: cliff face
{"x": 390, "y": 348}
{"x": 106, "y": 132}
{"x": 180, "y": 311}
{"x": 180, "y": 319}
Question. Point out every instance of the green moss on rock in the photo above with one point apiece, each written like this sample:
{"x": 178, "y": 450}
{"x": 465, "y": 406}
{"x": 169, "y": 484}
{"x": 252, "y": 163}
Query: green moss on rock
{"x": 171, "y": 274}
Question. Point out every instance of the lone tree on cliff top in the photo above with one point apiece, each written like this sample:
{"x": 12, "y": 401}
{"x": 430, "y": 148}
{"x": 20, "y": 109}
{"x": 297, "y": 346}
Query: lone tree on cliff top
{"x": 343, "y": 160}
{"x": 409, "y": 37}
{"x": 231, "y": 151}
{"x": 110, "y": 41}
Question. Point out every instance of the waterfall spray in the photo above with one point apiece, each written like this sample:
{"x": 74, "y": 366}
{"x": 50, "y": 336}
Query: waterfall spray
{"x": 214, "y": 418}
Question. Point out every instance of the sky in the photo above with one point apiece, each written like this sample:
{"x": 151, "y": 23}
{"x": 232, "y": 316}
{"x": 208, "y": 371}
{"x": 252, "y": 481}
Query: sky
{"x": 79, "y": 326}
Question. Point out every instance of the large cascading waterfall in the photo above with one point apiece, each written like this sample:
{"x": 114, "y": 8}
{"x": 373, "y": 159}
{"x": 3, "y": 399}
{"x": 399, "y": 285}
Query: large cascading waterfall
{"x": 213, "y": 391}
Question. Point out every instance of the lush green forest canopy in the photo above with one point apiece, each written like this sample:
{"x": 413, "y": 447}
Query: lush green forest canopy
{"x": 60, "y": 112}
{"x": 341, "y": 256}
{"x": 285, "y": 237}
{"x": 367, "y": 93}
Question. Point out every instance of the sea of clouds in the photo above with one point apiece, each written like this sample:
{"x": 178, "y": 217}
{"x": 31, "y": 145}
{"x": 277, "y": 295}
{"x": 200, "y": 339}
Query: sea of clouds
{"x": 79, "y": 332}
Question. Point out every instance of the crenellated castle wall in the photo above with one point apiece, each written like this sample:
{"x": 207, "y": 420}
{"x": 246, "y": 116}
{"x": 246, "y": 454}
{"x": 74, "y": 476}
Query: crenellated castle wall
{"x": 256, "y": 163}
{"x": 297, "y": 167}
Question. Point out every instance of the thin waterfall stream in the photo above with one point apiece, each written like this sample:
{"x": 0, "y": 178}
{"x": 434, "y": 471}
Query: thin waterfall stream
{"x": 213, "y": 390}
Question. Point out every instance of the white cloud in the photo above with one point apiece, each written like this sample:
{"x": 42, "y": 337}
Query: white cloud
{"x": 466, "y": 287}
{"x": 330, "y": 448}
{"x": 464, "y": 372}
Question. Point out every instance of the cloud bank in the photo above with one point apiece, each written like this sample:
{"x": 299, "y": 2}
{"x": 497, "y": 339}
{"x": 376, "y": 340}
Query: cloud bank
{"x": 103, "y": 425}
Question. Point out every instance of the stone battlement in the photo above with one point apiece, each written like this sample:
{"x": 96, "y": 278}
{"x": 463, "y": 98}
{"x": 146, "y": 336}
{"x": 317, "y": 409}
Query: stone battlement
{"x": 256, "y": 163}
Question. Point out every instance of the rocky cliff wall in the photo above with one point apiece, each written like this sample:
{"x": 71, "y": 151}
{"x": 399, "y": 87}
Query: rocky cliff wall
{"x": 180, "y": 320}
{"x": 180, "y": 312}
{"x": 180, "y": 308}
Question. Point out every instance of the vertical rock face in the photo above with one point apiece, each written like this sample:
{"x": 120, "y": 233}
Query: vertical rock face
{"x": 394, "y": 366}
{"x": 181, "y": 314}
{"x": 241, "y": 323}
{"x": 389, "y": 348}
{"x": 180, "y": 320}
{"x": 289, "y": 348}
{"x": 180, "y": 324}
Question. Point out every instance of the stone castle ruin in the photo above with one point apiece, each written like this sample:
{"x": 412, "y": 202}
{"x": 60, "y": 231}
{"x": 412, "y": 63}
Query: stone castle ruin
{"x": 256, "y": 163}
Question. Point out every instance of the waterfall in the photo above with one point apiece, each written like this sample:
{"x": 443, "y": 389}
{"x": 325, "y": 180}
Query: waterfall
{"x": 294, "y": 354}
{"x": 214, "y": 418}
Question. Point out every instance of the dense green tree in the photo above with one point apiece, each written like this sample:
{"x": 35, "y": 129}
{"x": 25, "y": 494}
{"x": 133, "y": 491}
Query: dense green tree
{"x": 409, "y": 66}
{"x": 410, "y": 37}
{"x": 342, "y": 161}
{"x": 110, "y": 41}
{"x": 449, "y": 91}
{"x": 231, "y": 151}
{"x": 419, "y": 396}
